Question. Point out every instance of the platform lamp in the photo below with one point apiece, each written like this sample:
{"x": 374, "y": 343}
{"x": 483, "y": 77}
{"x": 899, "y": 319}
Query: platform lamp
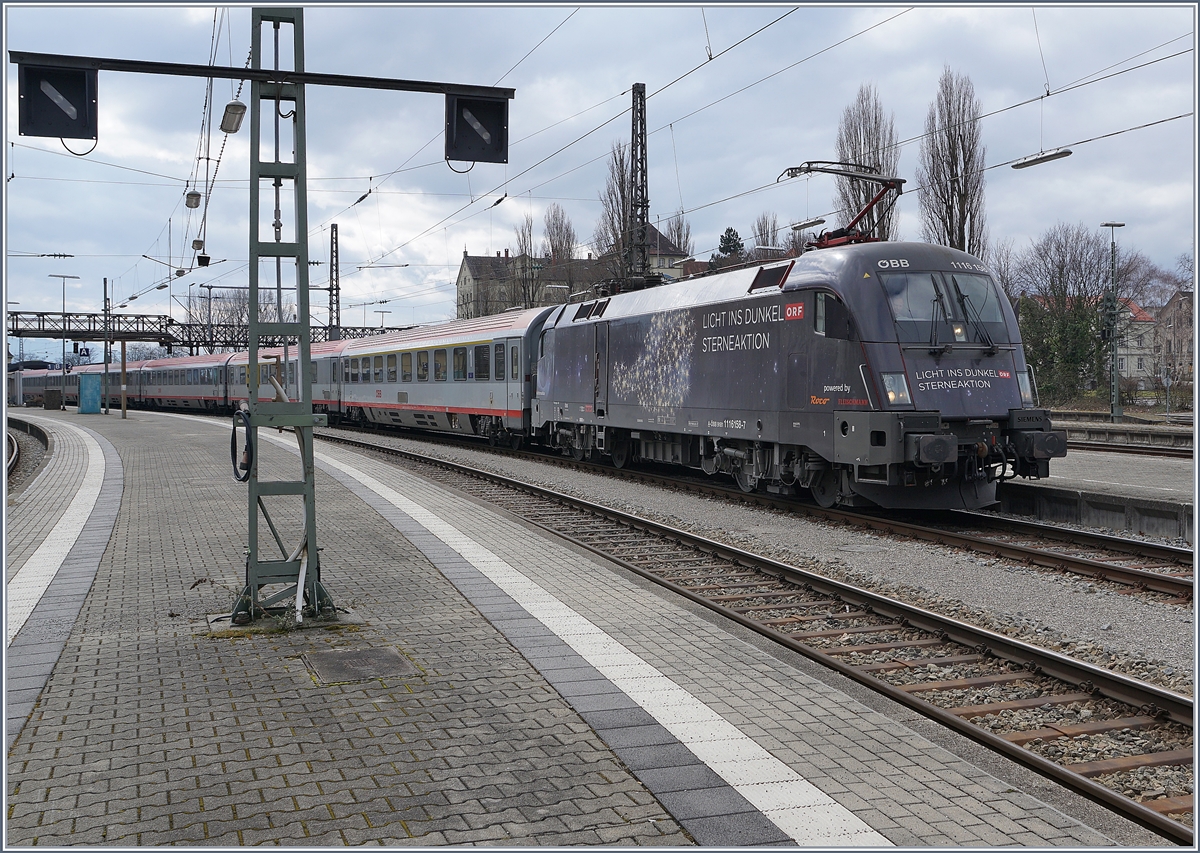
{"x": 63, "y": 366}
{"x": 1111, "y": 320}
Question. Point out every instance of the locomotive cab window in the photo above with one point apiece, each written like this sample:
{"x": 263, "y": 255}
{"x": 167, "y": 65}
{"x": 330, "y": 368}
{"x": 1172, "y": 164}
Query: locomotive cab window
{"x": 945, "y": 308}
{"x": 406, "y": 370}
{"x": 831, "y": 318}
{"x": 423, "y": 366}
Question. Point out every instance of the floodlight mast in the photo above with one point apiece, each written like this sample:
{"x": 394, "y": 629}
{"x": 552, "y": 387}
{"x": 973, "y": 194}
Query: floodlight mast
{"x": 854, "y": 171}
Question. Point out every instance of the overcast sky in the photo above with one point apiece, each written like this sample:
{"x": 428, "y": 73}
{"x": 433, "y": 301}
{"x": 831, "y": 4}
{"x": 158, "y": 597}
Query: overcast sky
{"x": 718, "y": 139}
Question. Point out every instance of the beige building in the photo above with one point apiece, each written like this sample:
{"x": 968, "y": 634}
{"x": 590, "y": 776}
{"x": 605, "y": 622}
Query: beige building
{"x": 1174, "y": 336}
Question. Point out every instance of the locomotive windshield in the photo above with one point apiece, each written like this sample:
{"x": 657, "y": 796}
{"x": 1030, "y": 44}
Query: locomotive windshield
{"x": 942, "y": 308}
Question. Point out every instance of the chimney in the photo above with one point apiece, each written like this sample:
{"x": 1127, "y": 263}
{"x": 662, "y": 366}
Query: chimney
{"x": 589, "y": 256}
{"x": 464, "y": 252}
{"x": 497, "y": 254}
{"x": 506, "y": 253}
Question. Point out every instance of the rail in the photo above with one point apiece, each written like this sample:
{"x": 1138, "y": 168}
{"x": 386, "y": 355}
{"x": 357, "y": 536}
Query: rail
{"x": 1150, "y": 703}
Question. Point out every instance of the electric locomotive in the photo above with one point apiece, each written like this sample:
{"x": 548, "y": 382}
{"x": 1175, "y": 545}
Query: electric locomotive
{"x": 887, "y": 374}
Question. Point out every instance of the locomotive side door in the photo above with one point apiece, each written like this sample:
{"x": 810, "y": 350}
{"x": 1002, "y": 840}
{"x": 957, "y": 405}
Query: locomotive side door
{"x": 514, "y": 384}
{"x": 601, "y": 393}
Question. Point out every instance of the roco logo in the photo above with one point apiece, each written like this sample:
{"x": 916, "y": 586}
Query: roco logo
{"x": 892, "y": 263}
{"x": 795, "y": 311}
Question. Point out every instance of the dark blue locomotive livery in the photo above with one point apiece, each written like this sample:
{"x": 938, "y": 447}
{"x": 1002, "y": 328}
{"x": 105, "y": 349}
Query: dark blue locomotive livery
{"x": 880, "y": 373}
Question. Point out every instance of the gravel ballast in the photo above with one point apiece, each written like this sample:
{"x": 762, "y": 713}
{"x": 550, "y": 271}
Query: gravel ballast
{"x": 1078, "y": 617}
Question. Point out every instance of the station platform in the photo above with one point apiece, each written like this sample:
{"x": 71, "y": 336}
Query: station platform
{"x": 1152, "y": 495}
{"x": 542, "y": 695}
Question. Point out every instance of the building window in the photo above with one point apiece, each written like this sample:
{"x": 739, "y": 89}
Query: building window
{"x": 439, "y": 365}
{"x": 1120, "y": 364}
{"x": 406, "y": 367}
{"x": 423, "y": 366}
{"x": 1141, "y": 363}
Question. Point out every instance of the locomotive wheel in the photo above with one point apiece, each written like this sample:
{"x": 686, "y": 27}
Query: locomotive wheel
{"x": 578, "y": 453}
{"x": 620, "y": 451}
{"x": 746, "y": 482}
{"x": 825, "y": 488}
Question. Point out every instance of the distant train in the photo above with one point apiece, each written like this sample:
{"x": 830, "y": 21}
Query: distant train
{"x": 887, "y": 374}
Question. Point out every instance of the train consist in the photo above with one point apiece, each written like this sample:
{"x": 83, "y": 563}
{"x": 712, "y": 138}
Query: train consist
{"x": 887, "y": 374}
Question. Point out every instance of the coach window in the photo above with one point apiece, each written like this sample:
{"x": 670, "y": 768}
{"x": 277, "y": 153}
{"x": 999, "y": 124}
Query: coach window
{"x": 391, "y": 367}
{"x": 499, "y": 360}
{"x": 406, "y": 367}
{"x": 345, "y": 370}
{"x": 354, "y": 370}
{"x": 483, "y": 368}
{"x": 291, "y": 373}
{"x": 379, "y": 369}
{"x": 423, "y": 366}
{"x": 312, "y": 373}
{"x": 460, "y": 363}
{"x": 439, "y": 365}
{"x": 516, "y": 364}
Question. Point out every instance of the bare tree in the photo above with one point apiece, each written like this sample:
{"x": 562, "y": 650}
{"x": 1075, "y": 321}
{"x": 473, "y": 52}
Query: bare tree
{"x": 558, "y": 244}
{"x": 766, "y": 234}
{"x": 612, "y": 236}
{"x": 867, "y": 137}
{"x": 679, "y": 232}
{"x": 523, "y": 277}
{"x": 950, "y": 171}
{"x": 1002, "y": 259}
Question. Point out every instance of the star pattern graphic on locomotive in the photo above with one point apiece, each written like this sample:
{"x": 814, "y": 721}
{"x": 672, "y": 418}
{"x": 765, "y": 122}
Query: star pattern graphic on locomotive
{"x": 659, "y": 378}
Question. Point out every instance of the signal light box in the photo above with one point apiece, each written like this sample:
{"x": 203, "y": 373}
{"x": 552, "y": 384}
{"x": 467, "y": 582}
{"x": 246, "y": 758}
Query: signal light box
{"x": 476, "y": 129}
{"x": 57, "y": 102}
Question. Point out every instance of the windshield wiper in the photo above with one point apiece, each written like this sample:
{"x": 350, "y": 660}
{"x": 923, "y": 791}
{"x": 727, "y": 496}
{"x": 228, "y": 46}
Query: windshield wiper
{"x": 934, "y": 348}
{"x": 973, "y": 316}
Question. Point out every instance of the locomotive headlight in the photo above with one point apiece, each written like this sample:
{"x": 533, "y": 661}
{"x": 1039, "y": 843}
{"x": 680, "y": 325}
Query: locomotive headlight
{"x": 960, "y": 332}
{"x": 896, "y": 388}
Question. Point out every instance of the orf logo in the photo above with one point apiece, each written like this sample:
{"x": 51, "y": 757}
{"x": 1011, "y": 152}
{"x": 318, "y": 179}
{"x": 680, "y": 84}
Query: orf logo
{"x": 795, "y": 311}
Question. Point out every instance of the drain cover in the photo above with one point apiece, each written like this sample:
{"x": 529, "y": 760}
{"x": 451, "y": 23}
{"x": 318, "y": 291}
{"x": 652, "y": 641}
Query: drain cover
{"x": 335, "y": 667}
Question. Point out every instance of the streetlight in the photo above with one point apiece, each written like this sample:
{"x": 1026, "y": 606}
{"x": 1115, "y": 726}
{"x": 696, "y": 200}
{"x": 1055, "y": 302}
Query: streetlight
{"x": 1111, "y": 319}
{"x": 209, "y": 288}
{"x": 64, "y": 278}
{"x": 381, "y": 313}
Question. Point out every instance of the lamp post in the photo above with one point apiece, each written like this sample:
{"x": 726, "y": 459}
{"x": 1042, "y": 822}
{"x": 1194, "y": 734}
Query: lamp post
{"x": 1115, "y": 395}
{"x": 209, "y": 288}
{"x": 381, "y": 313}
{"x": 63, "y": 366}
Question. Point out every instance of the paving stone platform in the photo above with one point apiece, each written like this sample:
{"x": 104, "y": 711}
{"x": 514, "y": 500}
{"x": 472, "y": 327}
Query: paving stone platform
{"x": 552, "y": 699}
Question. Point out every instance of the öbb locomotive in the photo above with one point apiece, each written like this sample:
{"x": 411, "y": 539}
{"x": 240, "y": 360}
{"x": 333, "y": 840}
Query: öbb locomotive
{"x": 888, "y": 374}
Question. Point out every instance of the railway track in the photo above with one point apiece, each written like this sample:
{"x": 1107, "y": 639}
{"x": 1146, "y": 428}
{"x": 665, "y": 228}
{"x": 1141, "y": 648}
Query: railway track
{"x": 1139, "y": 449}
{"x": 13, "y": 455}
{"x": 1135, "y": 565}
{"x": 1115, "y": 739}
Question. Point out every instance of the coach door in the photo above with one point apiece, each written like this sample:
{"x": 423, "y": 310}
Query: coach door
{"x": 601, "y": 394}
{"x": 514, "y": 384}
